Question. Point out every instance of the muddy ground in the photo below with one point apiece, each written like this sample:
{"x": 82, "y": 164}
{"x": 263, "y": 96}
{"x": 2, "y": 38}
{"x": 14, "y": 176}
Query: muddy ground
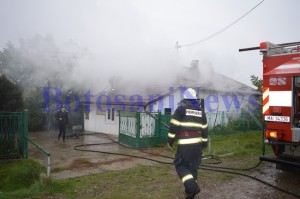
{"x": 66, "y": 162}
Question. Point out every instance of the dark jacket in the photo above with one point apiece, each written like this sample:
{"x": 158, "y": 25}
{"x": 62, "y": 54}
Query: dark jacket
{"x": 188, "y": 121}
{"x": 62, "y": 117}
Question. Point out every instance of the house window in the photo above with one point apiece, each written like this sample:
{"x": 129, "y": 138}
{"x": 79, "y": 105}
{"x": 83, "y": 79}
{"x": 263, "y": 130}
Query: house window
{"x": 111, "y": 114}
{"x": 108, "y": 114}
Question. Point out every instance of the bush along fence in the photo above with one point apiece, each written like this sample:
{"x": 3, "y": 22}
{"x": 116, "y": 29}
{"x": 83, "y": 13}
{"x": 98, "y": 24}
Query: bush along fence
{"x": 225, "y": 123}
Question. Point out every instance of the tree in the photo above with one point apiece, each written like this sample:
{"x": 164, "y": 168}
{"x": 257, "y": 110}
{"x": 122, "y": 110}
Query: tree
{"x": 258, "y": 82}
{"x": 36, "y": 63}
{"x": 10, "y": 96}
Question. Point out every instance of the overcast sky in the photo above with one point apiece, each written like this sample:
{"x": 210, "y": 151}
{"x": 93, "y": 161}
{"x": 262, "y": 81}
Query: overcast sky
{"x": 139, "y": 36}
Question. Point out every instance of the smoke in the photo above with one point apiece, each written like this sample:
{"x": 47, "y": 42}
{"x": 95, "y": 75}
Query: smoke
{"x": 98, "y": 45}
{"x": 40, "y": 61}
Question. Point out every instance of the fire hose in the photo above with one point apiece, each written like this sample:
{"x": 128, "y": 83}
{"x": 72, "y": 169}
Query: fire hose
{"x": 203, "y": 166}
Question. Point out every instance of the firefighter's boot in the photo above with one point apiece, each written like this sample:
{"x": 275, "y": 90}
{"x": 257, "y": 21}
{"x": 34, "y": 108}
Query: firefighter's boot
{"x": 191, "y": 189}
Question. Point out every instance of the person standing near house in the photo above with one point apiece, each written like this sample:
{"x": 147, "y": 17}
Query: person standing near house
{"x": 189, "y": 126}
{"x": 62, "y": 120}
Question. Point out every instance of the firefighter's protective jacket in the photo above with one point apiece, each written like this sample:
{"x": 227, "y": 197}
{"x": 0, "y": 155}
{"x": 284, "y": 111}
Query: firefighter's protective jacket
{"x": 188, "y": 124}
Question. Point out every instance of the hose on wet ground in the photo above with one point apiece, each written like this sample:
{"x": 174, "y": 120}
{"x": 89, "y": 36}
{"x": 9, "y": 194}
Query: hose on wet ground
{"x": 203, "y": 166}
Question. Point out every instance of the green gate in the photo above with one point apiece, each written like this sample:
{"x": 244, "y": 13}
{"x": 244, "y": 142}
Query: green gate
{"x": 13, "y": 134}
{"x": 142, "y": 129}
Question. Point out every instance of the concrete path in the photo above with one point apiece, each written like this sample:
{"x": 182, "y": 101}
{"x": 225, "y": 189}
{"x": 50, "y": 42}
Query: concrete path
{"x": 66, "y": 162}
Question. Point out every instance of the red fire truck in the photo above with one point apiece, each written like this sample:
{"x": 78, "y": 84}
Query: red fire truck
{"x": 281, "y": 102}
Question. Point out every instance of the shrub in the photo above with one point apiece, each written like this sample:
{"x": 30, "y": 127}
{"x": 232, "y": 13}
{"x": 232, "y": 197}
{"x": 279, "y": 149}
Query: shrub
{"x": 16, "y": 176}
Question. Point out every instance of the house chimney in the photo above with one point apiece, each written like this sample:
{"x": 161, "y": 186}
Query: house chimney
{"x": 194, "y": 64}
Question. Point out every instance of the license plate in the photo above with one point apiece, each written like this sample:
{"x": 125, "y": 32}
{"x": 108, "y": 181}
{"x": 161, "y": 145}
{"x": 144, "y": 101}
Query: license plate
{"x": 272, "y": 118}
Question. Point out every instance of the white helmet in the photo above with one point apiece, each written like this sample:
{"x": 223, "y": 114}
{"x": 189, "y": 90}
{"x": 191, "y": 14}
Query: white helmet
{"x": 189, "y": 94}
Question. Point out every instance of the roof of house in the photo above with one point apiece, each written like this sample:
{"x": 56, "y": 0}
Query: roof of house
{"x": 131, "y": 89}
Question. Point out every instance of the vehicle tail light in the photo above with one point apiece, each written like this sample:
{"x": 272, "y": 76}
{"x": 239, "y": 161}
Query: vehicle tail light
{"x": 274, "y": 134}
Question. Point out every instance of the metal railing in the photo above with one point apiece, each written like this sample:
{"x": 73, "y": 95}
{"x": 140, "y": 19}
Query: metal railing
{"x": 45, "y": 152}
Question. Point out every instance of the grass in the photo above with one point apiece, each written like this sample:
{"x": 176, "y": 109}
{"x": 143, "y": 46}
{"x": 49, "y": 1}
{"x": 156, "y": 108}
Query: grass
{"x": 15, "y": 174}
{"x": 238, "y": 146}
{"x": 141, "y": 182}
{"x": 157, "y": 181}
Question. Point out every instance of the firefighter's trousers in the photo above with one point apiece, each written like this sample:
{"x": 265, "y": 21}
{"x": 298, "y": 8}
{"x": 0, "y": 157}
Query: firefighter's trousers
{"x": 187, "y": 161}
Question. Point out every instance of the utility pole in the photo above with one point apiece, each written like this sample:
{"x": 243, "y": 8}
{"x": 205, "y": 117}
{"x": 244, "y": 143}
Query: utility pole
{"x": 177, "y": 46}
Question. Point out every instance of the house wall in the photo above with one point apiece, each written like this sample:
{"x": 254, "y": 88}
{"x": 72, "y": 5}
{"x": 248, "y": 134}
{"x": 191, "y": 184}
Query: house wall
{"x": 100, "y": 122}
{"x": 230, "y": 103}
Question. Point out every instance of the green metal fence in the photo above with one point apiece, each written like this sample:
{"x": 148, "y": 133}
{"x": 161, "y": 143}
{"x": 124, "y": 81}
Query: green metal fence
{"x": 76, "y": 121}
{"x": 13, "y": 134}
{"x": 144, "y": 129}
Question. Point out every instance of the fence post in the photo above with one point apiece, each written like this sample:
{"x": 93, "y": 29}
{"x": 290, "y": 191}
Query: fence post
{"x": 223, "y": 122}
{"x": 25, "y": 133}
{"x": 138, "y": 128}
{"x": 158, "y": 124}
{"x": 48, "y": 166}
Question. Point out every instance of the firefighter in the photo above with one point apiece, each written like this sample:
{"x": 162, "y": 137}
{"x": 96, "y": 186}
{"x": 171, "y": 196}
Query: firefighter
{"x": 62, "y": 120}
{"x": 188, "y": 126}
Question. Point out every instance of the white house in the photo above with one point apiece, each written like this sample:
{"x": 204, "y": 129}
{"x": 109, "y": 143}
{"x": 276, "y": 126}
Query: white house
{"x": 219, "y": 92}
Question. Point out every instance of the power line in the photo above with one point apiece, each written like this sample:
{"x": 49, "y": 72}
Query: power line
{"x": 220, "y": 31}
